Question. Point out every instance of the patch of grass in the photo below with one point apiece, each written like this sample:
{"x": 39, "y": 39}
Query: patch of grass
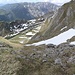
{"x": 14, "y": 45}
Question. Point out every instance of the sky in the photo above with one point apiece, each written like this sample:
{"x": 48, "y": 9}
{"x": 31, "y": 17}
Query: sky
{"x": 16, "y": 1}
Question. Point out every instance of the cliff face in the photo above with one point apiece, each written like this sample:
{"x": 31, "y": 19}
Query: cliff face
{"x": 63, "y": 20}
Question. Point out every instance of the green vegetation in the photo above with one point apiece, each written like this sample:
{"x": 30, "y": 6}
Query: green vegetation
{"x": 14, "y": 45}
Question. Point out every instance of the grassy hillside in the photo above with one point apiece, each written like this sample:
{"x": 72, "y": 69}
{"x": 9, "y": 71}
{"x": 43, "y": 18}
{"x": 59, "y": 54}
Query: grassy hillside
{"x": 40, "y": 60}
{"x": 2, "y": 40}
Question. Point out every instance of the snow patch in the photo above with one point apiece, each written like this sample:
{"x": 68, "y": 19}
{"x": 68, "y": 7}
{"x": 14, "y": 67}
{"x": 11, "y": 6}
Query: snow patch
{"x": 21, "y": 42}
{"x": 30, "y": 33}
{"x": 29, "y": 37}
{"x": 61, "y": 38}
{"x": 22, "y": 37}
{"x": 24, "y": 25}
{"x": 32, "y": 21}
{"x": 63, "y": 28}
{"x": 72, "y": 43}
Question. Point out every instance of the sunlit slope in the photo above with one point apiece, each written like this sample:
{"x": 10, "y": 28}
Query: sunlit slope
{"x": 2, "y": 40}
{"x": 61, "y": 21}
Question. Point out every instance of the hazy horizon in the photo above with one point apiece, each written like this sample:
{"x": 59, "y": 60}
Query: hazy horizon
{"x": 58, "y": 2}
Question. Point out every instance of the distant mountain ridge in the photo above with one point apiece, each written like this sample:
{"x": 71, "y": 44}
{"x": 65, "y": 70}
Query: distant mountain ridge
{"x": 25, "y": 10}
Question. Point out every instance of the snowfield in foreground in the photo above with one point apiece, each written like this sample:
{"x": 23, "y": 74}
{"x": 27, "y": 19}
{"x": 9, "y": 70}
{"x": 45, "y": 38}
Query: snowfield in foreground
{"x": 61, "y": 38}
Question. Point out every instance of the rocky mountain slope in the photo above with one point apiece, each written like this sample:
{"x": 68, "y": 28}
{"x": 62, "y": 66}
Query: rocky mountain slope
{"x": 40, "y": 60}
{"x": 62, "y": 21}
{"x": 25, "y": 11}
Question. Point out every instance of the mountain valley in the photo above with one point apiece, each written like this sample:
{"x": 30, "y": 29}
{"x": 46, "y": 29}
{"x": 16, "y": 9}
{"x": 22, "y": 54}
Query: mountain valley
{"x": 39, "y": 46}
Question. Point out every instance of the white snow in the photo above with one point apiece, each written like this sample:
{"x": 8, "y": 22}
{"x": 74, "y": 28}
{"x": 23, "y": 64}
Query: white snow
{"x": 11, "y": 35}
{"x": 21, "y": 42}
{"x": 61, "y": 38}
{"x": 15, "y": 27}
{"x": 33, "y": 20}
{"x": 63, "y": 28}
{"x": 24, "y": 25}
{"x": 22, "y": 37}
{"x": 72, "y": 43}
{"x": 29, "y": 37}
{"x": 30, "y": 33}
{"x": 19, "y": 30}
